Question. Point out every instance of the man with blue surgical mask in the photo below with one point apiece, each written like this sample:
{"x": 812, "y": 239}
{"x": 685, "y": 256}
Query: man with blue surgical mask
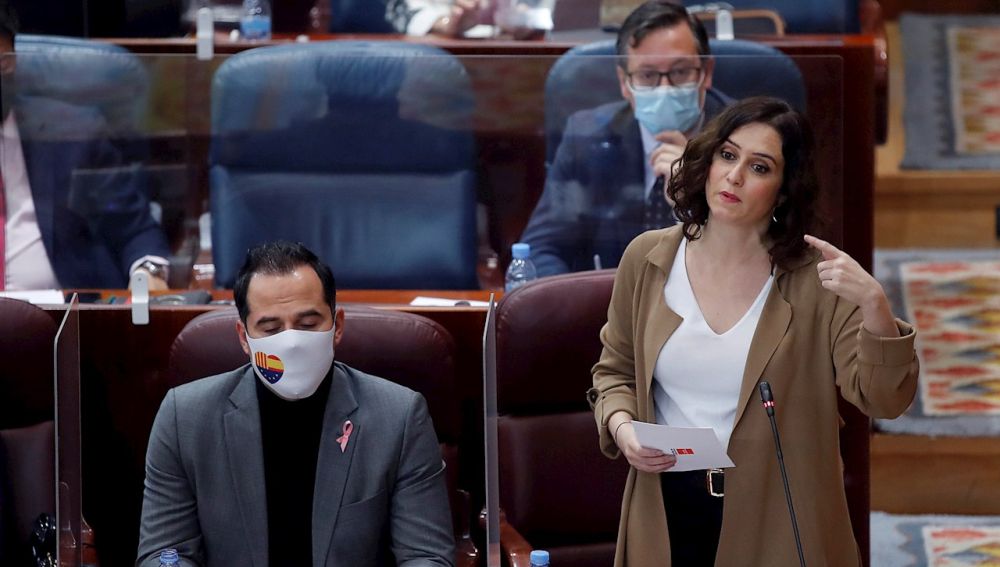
{"x": 294, "y": 460}
{"x": 606, "y": 183}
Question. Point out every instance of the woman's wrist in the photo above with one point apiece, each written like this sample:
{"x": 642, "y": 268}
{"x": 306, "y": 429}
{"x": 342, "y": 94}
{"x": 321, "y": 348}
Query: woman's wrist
{"x": 878, "y": 319}
{"x": 619, "y": 426}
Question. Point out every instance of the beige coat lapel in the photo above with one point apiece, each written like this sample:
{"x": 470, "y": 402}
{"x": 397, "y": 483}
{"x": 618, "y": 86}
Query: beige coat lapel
{"x": 771, "y": 329}
{"x": 775, "y": 319}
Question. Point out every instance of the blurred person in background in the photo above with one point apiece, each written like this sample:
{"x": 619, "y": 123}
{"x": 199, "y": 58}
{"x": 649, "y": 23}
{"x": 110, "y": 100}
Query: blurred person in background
{"x": 74, "y": 214}
{"x": 607, "y": 180}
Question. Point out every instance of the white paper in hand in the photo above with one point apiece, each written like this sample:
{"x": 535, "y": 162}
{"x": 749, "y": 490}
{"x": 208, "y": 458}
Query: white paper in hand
{"x": 695, "y": 447}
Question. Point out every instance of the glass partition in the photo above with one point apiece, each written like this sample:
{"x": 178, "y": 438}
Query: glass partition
{"x": 491, "y": 485}
{"x": 403, "y": 166}
{"x": 69, "y": 486}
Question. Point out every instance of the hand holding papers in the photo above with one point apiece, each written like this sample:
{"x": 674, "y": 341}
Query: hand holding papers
{"x": 695, "y": 447}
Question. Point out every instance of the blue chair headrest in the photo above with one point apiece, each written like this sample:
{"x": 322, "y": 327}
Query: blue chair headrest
{"x": 358, "y": 105}
{"x": 361, "y": 150}
{"x": 747, "y": 68}
{"x": 83, "y": 73}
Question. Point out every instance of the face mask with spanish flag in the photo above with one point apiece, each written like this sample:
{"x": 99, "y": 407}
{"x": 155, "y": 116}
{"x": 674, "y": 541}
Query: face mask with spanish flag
{"x": 292, "y": 363}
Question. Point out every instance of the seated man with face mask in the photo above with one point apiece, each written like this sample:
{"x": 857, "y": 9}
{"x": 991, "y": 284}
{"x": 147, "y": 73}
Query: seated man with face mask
{"x": 606, "y": 183}
{"x": 294, "y": 460}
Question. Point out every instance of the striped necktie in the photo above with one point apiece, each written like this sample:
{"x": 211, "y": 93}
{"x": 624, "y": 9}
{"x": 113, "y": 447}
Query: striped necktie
{"x": 657, "y": 214}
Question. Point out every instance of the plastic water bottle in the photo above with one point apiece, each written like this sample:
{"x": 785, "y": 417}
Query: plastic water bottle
{"x": 521, "y": 270}
{"x": 169, "y": 558}
{"x": 539, "y": 558}
{"x": 255, "y": 23}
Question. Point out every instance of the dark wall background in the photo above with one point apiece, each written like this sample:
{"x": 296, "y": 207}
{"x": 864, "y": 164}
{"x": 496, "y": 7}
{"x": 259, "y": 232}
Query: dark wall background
{"x": 101, "y": 18}
{"x": 136, "y": 18}
{"x": 892, "y": 8}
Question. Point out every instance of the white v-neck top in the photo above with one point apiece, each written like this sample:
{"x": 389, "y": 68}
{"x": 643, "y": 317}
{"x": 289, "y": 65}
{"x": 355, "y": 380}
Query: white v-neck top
{"x": 698, "y": 373}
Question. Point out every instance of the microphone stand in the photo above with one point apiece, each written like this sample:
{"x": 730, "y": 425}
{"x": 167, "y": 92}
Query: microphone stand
{"x": 768, "y": 399}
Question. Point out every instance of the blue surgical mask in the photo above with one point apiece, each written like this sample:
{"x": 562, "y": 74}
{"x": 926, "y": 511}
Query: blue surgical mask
{"x": 667, "y": 108}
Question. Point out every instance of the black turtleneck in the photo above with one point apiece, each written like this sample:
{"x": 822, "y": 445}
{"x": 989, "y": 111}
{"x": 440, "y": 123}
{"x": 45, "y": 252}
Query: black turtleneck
{"x": 290, "y": 432}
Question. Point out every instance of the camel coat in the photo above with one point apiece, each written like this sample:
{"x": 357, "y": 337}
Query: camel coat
{"x": 808, "y": 344}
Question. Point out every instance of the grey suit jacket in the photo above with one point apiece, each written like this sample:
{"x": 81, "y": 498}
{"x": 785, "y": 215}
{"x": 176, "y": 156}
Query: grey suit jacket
{"x": 204, "y": 490}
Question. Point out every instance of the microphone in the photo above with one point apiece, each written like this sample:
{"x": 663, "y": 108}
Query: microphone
{"x": 768, "y": 400}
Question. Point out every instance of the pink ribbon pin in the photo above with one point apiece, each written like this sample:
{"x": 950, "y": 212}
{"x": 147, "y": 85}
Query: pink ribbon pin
{"x": 348, "y": 428}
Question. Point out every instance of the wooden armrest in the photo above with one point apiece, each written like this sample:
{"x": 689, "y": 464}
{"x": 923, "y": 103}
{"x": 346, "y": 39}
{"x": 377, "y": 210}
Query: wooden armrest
{"x": 513, "y": 546}
{"x": 466, "y": 554}
{"x": 88, "y": 551}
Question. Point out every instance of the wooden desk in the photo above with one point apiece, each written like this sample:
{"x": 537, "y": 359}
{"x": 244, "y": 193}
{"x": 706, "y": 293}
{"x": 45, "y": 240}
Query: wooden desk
{"x": 123, "y": 377}
{"x": 840, "y": 76}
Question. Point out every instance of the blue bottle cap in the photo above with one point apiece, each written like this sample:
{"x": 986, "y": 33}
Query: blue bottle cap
{"x": 539, "y": 557}
{"x": 169, "y": 557}
{"x": 521, "y": 250}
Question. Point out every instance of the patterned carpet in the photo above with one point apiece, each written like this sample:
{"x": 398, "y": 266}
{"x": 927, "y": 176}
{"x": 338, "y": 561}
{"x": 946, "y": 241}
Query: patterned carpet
{"x": 953, "y": 298}
{"x": 935, "y": 541}
{"x": 952, "y": 112}
{"x": 956, "y": 306}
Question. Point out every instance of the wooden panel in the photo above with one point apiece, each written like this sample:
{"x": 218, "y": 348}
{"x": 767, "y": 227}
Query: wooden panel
{"x": 935, "y": 475}
{"x": 946, "y": 219}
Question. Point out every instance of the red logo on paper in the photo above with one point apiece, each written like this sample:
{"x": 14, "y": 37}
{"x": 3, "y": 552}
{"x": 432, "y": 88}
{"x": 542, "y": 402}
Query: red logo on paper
{"x": 685, "y": 451}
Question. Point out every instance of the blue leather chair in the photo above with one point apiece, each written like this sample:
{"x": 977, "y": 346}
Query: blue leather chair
{"x": 806, "y": 16}
{"x": 360, "y": 150}
{"x": 100, "y": 76}
{"x": 585, "y": 77}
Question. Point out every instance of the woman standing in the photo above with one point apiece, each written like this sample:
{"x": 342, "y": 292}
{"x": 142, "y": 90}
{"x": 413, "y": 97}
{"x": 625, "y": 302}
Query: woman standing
{"x": 702, "y": 312}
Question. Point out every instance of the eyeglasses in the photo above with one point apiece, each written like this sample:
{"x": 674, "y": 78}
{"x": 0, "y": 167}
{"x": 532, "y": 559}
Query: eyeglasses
{"x": 648, "y": 79}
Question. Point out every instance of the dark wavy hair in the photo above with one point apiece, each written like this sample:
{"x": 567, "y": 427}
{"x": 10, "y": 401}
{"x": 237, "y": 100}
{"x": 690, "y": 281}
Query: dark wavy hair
{"x": 797, "y": 197}
{"x": 653, "y": 15}
{"x": 277, "y": 259}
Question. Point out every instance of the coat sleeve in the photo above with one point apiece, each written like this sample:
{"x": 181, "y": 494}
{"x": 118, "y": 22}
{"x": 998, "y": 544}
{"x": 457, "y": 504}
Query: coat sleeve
{"x": 876, "y": 374}
{"x": 420, "y": 521}
{"x": 614, "y": 374}
{"x": 119, "y": 192}
{"x": 555, "y": 230}
{"x": 169, "y": 510}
